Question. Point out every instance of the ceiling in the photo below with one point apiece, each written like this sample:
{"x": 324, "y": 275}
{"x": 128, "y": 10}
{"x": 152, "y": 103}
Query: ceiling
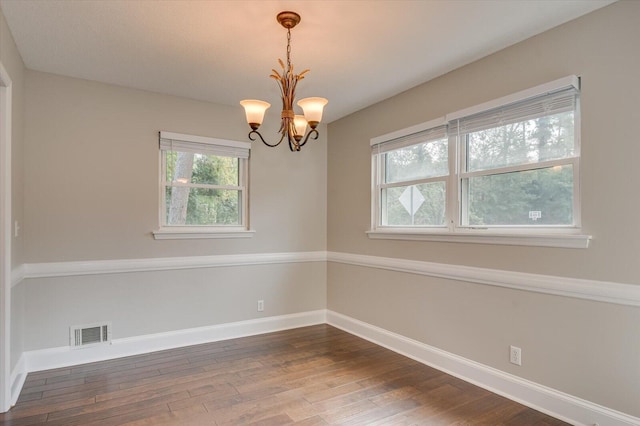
{"x": 359, "y": 52}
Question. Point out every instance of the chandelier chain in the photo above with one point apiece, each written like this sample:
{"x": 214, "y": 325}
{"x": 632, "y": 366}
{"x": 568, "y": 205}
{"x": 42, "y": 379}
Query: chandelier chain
{"x": 288, "y": 49}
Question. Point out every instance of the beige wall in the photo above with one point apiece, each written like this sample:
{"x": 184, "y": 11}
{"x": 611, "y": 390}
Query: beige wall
{"x": 92, "y": 193}
{"x": 144, "y": 303}
{"x": 584, "y": 348}
{"x": 90, "y": 180}
{"x": 91, "y": 185}
{"x": 601, "y": 48}
{"x": 12, "y": 62}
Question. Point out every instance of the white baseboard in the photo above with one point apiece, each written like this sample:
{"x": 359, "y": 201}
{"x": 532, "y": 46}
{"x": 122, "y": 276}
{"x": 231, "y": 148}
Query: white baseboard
{"x": 18, "y": 376}
{"x": 46, "y": 359}
{"x": 550, "y": 401}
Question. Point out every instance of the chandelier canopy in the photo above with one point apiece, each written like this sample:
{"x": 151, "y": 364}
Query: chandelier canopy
{"x": 292, "y": 125}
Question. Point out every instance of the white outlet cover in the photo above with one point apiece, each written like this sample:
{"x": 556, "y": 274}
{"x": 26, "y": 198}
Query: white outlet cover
{"x": 515, "y": 355}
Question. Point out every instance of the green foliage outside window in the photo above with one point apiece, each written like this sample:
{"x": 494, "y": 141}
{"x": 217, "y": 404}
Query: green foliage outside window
{"x": 539, "y": 196}
{"x": 202, "y": 190}
{"x": 425, "y": 160}
{"x": 525, "y": 194}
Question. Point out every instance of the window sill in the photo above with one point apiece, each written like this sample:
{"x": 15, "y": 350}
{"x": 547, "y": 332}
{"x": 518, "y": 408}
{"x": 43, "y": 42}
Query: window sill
{"x": 201, "y": 233}
{"x": 563, "y": 240}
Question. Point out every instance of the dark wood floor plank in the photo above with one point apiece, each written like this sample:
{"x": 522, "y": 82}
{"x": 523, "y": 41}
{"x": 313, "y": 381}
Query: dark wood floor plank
{"x": 93, "y": 388}
{"x": 9, "y": 420}
{"x": 24, "y": 397}
{"x": 103, "y": 411}
{"x": 193, "y": 416}
{"x": 530, "y": 417}
{"x": 38, "y": 375}
{"x": 27, "y": 409}
{"x": 312, "y": 421}
{"x": 118, "y": 419}
{"x": 308, "y": 376}
{"x": 339, "y": 414}
{"x": 57, "y": 385}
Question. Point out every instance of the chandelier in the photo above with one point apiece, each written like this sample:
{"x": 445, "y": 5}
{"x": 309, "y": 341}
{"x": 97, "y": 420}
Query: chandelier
{"x": 292, "y": 126}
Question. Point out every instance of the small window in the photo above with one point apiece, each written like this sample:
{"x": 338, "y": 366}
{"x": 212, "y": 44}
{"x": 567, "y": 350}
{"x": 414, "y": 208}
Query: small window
{"x": 509, "y": 165}
{"x": 413, "y": 179}
{"x": 203, "y": 183}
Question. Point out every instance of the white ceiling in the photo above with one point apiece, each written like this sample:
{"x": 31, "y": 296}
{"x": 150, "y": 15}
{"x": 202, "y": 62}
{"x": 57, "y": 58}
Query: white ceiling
{"x": 359, "y": 52}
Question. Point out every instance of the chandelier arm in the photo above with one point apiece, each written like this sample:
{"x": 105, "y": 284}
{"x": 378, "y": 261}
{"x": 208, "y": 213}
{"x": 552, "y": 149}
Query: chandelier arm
{"x": 290, "y": 131}
{"x": 313, "y": 132}
{"x": 262, "y": 139}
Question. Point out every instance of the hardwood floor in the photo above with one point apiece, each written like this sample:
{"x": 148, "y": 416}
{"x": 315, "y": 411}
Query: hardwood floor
{"x": 315, "y": 375}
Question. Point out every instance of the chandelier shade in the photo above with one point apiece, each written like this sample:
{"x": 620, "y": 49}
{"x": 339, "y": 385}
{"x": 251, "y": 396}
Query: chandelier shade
{"x": 254, "y": 110}
{"x": 293, "y": 126}
{"x": 313, "y": 108}
{"x": 300, "y": 123}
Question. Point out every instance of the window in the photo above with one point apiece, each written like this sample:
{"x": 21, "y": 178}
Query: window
{"x": 413, "y": 178}
{"x": 203, "y": 187}
{"x": 506, "y": 167}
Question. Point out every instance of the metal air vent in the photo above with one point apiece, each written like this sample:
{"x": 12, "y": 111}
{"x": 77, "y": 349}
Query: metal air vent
{"x": 89, "y": 334}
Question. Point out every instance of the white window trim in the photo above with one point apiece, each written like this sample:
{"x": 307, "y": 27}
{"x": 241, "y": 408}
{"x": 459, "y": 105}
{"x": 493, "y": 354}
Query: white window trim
{"x": 182, "y": 233}
{"x": 178, "y": 232}
{"x": 6, "y": 104}
{"x": 552, "y": 236}
{"x": 512, "y": 238}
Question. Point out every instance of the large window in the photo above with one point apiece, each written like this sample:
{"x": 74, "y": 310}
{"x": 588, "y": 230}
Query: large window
{"x": 203, "y": 184}
{"x": 507, "y": 166}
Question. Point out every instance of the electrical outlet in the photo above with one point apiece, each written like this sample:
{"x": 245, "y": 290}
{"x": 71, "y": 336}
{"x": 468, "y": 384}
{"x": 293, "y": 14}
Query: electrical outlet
{"x": 515, "y": 355}
{"x": 260, "y": 305}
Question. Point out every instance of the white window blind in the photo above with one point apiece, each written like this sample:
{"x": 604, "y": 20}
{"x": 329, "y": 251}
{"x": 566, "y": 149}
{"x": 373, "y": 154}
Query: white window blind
{"x": 544, "y": 104}
{"x": 203, "y": 145}
{"x": 544, "y": 100}
{"x": 433, "y": 134}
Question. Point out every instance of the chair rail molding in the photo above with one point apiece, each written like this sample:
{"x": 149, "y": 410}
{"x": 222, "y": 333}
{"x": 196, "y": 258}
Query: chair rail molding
{"x": 99, "y": 267}
{"x": 601, "y": 291}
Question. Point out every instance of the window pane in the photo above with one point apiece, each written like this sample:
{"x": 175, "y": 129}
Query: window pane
{"x": 417, "y": 205}
{"x": 530, "y": 141}
{"x": 201, "y": 206}
{"x": 425, "y": 160}
{"x": 534, "y": 197}
{"x": 185, "y": 167}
